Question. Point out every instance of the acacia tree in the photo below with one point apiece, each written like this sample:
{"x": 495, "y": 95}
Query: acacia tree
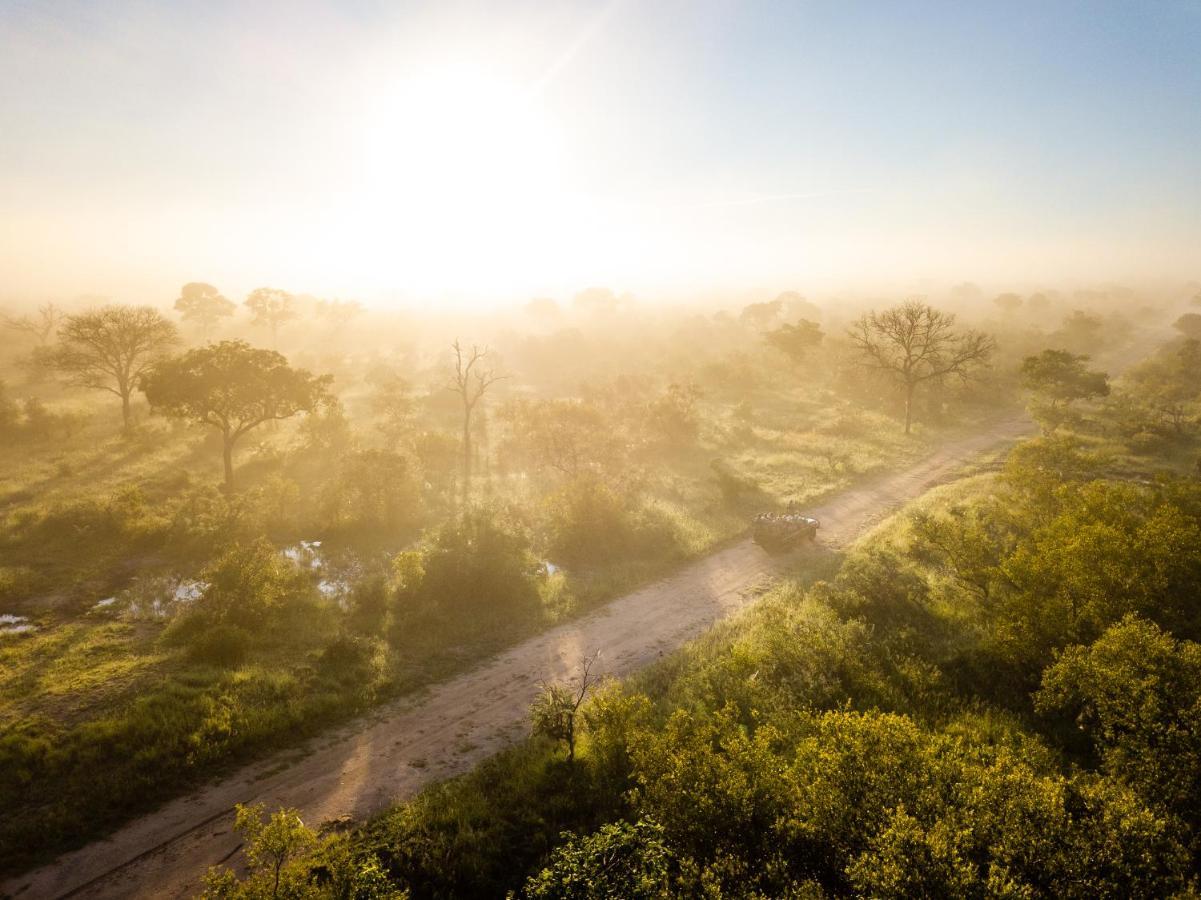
{"x": 914, "y": 343}
{"x": 203, "y": 304}
{"x": 1167, "y": 383}
{"x": 1058, "y": 379}
{"x": 111, "y": 348}
{"x": 471, "y": 379}
{"x": 234, "y": 388}
{"x": 271, "y": 308}
{"x": 41, "y": 325}
{"x": 795, "y": 341}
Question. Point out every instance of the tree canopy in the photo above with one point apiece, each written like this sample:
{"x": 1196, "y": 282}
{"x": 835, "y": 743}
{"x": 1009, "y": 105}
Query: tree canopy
{"x": 203, "y": 304}
{"x": 233, "y": 387}
{"x": 1057, "y": 379}
{"x": 914, "y": 343}
{"x": 795, "y": 341}
{"x": 270, "y": 308}
{"x": 112, "y": 348}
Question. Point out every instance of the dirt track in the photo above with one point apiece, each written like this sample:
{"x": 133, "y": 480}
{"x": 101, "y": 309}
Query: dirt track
{"x": 393, "y": 753}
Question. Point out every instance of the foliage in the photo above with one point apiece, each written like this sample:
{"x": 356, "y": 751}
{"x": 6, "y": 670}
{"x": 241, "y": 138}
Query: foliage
{"x": 795, "y": 341}
{"x": 673, "y": 415}
{"x": 1166, "y": 385}
{"x": 620, "y": 861}
{"x": 288, "y": 859}
{"x": 112, "y": 348}
{"x": 1136, "y": 693}
{"x": 233, "y": 388}
{"x": 572, "y": 438}
{"x": 1058, "y": 379}
{"x": 479, "y": 564}
{"x": 223, "y": 645}
{"x": 589, "y": 523}
{"x": 271, "y": 308}
{"x": 203, "y": 304}
{"x": 246, "y": 585}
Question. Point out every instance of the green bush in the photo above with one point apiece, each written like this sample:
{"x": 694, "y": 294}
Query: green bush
{"x": 221, "y": 645}
{"x": 479, "y": 564}
{"x": 246, "y": 584}
{"x": 588, "y": 523}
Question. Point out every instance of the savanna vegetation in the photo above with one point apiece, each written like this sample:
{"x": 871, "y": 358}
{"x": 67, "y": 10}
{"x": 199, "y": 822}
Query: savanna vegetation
{"x": 241, "y": 546}
{"x": 995, "y": 693}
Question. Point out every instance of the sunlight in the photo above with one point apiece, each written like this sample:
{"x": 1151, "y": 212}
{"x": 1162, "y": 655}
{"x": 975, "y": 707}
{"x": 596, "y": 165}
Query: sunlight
{"x": 459, "y": 171}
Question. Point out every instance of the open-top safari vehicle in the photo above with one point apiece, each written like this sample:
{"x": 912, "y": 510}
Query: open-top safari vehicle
{"x": 783, "y": 530}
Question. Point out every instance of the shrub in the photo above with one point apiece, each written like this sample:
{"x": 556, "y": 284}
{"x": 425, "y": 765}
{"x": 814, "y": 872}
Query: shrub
{"x": 588, "y": 523}
{"x": 369, "y": 604}
{"x": 245, "y": 585}
{"x": 353, "y": 659}
{"x": 479, "y": 563}
{"x": 221, "y": 645}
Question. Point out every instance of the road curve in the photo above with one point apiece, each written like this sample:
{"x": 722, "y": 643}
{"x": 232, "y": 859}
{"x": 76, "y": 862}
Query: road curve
{"x": 401, "y": 747}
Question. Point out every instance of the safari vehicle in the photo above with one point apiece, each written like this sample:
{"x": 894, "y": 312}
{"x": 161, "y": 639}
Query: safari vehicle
{"x": 782, "y": 531}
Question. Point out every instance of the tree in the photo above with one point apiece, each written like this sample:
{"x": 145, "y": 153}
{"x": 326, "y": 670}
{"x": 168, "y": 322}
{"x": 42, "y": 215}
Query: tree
{"x": 914, "y": 343}
{"x": 271, "y": 308}
{"x": 339, "y": 312}
{"x": 1136, "y": 693}
{"x": 1167, "y": 382}
{"x": 286, "y": 858}
{"x": 571, "y": 437}
{"x": 477, "y": 566}
{"x": 111, "y": 348}
{"x": 1008, "y": 302}
{"x": 203, "y": 304}
{"x": 622, "y": 860}
{"x": 1189, "y": 325}
{"x": 1059, "y": 378}
{"x": 471, "y": 379}
{"x": 233, "y": 387}
{"x": 245, "y": 585}
{"x": 795, "y": 341}
{"x": 41, "y": 326}
{"x": 553, "y": 714}
{"x": 762, "y": 315}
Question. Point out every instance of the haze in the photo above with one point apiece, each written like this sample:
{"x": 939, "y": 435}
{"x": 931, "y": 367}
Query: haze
{"x": 471, "y": 153}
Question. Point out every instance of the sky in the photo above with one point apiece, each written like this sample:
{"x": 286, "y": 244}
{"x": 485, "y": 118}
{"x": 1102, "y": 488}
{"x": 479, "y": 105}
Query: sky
{"x": 406, "y": 153}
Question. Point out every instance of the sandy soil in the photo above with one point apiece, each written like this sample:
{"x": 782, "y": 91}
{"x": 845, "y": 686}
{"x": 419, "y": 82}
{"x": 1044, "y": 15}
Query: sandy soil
{"x": 402, "y": 747}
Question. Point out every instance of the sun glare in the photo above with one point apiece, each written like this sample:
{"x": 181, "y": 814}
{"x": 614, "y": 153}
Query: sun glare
{"x": 457, "y": 171}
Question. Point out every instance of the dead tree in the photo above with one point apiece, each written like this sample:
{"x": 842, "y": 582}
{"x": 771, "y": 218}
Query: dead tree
{"x": 41, "y": 326}
{"x": 914, "y": 343}
{"x": 471, "y": 379}
{"x": 554, "y": 712}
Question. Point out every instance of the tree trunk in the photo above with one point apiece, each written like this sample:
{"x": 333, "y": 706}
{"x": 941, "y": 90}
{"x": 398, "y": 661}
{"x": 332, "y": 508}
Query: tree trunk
{"x": 125, "y": 414}
{"x": 227, "y": 452}
{"x": 466, "y": 455}
{"x": 909, "y": 406}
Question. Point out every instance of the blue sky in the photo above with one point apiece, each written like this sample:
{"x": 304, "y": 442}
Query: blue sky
{"x": 501, "y": 149}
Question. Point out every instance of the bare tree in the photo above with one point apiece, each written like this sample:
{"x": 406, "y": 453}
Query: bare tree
{"x": 471, "y": 379}
{"x": 41, "y": 326}
{"x": 554, "y": 712}
{"x": 914, "y": 343}
{"x": 111, "y": 348}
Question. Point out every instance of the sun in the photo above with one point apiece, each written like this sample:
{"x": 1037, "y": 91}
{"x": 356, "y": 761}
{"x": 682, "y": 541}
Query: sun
{"x": 459, "y": 178}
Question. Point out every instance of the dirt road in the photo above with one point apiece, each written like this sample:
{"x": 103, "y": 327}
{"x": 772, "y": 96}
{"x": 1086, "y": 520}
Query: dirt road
{"x": 392, "y": 754}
